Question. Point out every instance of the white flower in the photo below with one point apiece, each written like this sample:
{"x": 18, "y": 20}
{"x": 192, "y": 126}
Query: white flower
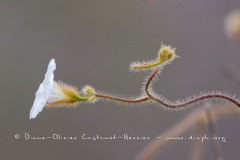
{"x": 51, "y": 93}
{"x": 44, "y": 91}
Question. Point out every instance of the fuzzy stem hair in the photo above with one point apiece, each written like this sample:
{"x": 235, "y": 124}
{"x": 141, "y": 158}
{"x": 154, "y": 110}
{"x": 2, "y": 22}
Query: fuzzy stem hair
{"x": 170, "y": 104}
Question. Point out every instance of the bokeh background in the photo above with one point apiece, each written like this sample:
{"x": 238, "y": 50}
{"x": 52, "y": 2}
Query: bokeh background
{"x": 93, "y": 43}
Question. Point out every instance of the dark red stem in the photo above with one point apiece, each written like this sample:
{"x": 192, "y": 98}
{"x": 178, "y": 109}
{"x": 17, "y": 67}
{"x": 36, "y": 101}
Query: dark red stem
{"x": 138, "y": 100}
{"x": 202, "y": 97}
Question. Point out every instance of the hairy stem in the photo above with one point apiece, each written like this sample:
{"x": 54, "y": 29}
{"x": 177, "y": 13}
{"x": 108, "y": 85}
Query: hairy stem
{"x": 137, "y": 100}
{"x": 149, "y": 65}
{"x": 183, "y": 104}
{"x": 164, "y": 102}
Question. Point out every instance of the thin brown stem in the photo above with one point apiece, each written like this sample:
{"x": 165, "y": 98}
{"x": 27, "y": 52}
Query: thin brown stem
{"x": 183, "y": 104}
{"x": 165, "y": 103}
{"x": 198, "y": 145}
{"x": 198, "y": 115}
{"x": 175, "y": 131}
{"x": 137, "y": 100}
{"x": 213, "y": 133}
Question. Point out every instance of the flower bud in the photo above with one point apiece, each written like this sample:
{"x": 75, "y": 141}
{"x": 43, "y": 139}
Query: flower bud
{"x": 90, "y": 91}
{"x": 166, "y": 53}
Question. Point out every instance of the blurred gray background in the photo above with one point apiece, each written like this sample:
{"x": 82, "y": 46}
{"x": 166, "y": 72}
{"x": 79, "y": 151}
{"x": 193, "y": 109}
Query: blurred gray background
{"x": 93, "y": 43}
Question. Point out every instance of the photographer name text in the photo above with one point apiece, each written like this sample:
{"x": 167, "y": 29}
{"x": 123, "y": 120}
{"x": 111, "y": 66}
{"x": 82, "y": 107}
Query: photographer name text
{"x": 98, "y": 137}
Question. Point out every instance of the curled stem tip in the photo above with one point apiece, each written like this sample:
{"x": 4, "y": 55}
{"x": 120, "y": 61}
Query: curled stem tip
{"x": 169, "y": 104}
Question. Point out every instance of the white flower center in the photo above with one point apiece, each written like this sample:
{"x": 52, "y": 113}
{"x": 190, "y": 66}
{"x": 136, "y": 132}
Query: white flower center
{"x": 56, "y": 94}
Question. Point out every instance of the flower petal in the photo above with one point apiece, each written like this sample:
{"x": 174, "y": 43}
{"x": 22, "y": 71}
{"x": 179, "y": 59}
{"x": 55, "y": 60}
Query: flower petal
{"x": 43, "y": 91}
{"x": 56, "y": 94}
